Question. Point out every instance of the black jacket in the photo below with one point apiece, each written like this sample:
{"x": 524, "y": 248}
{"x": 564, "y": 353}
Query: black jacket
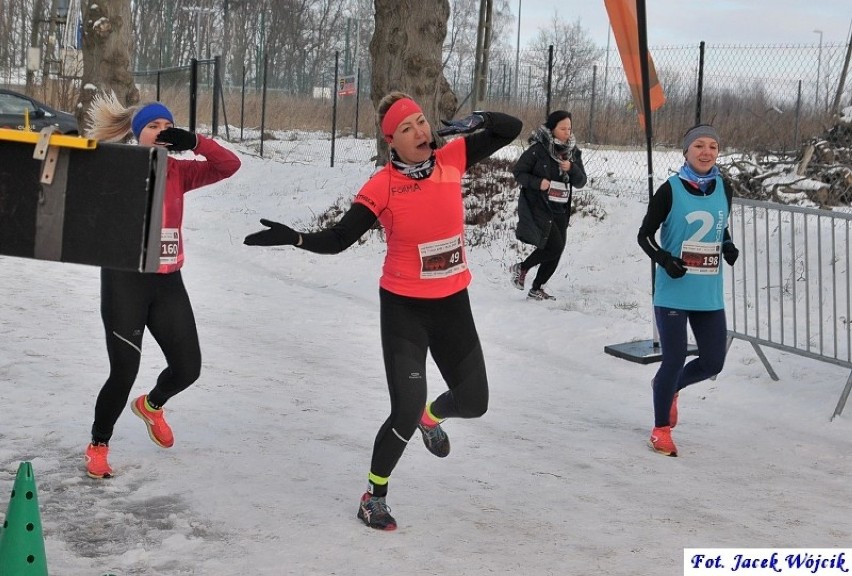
{"x": 535, "y": 211}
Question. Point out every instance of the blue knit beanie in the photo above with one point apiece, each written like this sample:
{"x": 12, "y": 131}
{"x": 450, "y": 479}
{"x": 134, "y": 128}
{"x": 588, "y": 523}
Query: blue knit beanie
{"x": 149, "y": 113}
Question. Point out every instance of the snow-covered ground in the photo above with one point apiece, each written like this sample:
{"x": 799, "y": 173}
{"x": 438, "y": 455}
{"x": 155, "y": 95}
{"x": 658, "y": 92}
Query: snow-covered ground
{"x": 273, "y": 442}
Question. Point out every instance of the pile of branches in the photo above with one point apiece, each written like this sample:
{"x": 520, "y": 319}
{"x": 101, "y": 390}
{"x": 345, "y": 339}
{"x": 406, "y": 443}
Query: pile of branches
{"x": 821, "y": 171}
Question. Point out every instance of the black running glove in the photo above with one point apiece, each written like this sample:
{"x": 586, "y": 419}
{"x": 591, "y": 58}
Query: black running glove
{"x": 674, "y": 266}
{"x": 730, "y": 253}
{"x": 276, "y": 235}
{"x": 464, "y": 125}
{"x": 177, "y": 139}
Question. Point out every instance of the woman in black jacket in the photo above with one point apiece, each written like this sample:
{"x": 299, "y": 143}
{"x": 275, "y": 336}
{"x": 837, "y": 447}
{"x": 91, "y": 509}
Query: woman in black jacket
{"x": 547, "y": 171}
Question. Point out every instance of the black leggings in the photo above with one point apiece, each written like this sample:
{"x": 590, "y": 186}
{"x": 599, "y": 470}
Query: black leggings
{"x": 130, "y": 301}
{"x": 547, "y": 258}
{"x": 410, "y": 327}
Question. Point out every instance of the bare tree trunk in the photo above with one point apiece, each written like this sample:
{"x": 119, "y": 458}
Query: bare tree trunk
{"x": 107, "y": 45}
{"x": 406, "y": 56}
{"x": 483, "y": 49}
{"x": 34, "y": 39}
{"x": 835, "y": 106}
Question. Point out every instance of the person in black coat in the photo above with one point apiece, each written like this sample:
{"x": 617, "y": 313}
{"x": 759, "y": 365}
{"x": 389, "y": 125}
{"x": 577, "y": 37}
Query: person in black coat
{"x": 547, "y": 171}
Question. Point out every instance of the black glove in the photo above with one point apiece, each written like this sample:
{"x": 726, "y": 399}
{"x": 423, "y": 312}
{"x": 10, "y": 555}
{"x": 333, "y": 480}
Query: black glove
{"x": 674, "y": 266}
{"x": 465, "y": 125}
{"x": 276, "y": 235}
{"x": 177, "y": 139}
{"x": 730, "y": 253}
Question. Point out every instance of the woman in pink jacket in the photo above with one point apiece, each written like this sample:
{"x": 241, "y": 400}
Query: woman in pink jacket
{"x": 132, "y": 301}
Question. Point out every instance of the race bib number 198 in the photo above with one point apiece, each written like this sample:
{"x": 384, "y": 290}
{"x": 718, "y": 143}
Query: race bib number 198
{"x": 701, "y": 257}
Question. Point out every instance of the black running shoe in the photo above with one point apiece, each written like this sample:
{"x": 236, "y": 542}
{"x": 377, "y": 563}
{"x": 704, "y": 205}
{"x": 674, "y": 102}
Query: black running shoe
{"x": 539, "y": 294}
{"x": 375, "y": 513}
{"x": 519, "y": 276}
{"x": 436, "y": 440}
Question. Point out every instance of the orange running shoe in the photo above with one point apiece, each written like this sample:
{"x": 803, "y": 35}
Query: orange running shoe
{"x": 661, "y": 441}
{"x": 159, "y": 431}
{"x": 97, "y": 465}
{"x": 673, "y": 412}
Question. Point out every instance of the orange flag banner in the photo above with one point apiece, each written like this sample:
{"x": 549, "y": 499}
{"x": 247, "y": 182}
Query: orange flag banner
{"x": 625, "y": 28}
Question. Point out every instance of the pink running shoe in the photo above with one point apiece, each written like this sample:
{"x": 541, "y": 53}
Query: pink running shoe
{"x": 159, "y": 431}
{"x": 97, "y": 465}
{"x": 673, "y": 412}
{"x": 661, "y": 441}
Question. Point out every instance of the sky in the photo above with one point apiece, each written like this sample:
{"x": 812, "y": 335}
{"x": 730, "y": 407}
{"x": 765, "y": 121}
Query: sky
{"x": 273, "y": 442}
{"x": 679, "y": 22}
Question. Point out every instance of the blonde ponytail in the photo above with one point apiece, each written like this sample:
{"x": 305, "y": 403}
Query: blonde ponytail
{"x": 108, "y": 119}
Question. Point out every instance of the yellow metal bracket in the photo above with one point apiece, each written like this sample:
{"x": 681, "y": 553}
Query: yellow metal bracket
{"x": 59, "y": 140}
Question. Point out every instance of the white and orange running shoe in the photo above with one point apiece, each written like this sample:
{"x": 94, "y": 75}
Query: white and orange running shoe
{"x": 158, "y": 429}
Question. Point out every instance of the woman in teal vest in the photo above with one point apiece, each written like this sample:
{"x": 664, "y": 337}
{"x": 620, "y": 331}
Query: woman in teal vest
{"x": 691, "y": 210}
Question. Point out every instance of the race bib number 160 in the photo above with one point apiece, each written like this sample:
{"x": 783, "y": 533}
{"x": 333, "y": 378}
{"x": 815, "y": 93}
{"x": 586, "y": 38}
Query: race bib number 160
{"x": 169, "y": 245}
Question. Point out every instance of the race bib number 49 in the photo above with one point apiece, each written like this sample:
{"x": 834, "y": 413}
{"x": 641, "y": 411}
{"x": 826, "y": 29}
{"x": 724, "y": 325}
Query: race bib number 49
{"x": 442, "y": 258}
{"x": 169, "y": 245}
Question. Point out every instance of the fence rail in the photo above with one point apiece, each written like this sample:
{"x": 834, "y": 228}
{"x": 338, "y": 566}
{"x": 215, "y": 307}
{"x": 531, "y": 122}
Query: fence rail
{"x": 791, "y": 287}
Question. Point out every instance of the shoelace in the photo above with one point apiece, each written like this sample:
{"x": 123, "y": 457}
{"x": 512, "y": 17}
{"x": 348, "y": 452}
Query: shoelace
{"x": 433, "y": 433}
{"x": 378, "y": 505}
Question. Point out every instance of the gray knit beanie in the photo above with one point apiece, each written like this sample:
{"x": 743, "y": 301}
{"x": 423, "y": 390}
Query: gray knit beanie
{"x": 699, "y": 131}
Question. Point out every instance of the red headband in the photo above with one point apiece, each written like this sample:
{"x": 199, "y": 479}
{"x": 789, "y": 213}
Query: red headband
{"x": 399, "y": 111}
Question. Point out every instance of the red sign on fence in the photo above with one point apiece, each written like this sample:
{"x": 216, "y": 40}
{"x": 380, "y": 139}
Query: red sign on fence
{"x": 346, "y": 86}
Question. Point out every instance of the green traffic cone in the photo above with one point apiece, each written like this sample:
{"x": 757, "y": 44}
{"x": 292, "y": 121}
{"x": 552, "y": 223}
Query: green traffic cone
{"x": 21, "y": 542}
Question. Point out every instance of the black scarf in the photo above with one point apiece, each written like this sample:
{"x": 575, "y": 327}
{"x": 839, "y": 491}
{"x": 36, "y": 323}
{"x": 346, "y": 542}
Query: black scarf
{"x": 417, "y": 171}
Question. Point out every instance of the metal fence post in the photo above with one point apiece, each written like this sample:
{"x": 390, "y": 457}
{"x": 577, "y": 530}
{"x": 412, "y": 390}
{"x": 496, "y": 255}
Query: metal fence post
{"x": 700, "y": 90}
{"x": 243, "y": 103}
{"x": 592, "y": 104}
{"x": 334, "y": 105}
{"x": 217, "y": 90}
{"x": 263, "y": 104}
{"x": 798, "y": 116}
{"x": 357, "y": 99}
{"x": 193, "y": 92}
{"x": 549, "y": 77}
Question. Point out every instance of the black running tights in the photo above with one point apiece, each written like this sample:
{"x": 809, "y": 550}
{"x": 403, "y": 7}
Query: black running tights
{"x": 547, "y": 258}
{"x": 130, "y": 302}
{"x": 410, "y": 327}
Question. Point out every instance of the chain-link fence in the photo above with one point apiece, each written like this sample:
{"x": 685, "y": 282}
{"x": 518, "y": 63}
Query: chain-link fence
{"x": 762, "y": 99}
{"x": 190, "y": 90}
{"x": 767, "y": 100}
{"x": 758, "y": 97}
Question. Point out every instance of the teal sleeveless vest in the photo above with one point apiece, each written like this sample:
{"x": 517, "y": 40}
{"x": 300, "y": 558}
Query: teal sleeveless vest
{"x": 693, "y": 231}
